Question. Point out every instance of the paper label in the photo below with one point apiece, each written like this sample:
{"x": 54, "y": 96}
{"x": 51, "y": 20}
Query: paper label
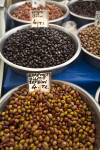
{"x": 37, "y": 3}
{"x": 2, "y": 2}
{"x": 39, "y": 81}
{"x": 39, "y": 18}
{"x": 97, "y": 19}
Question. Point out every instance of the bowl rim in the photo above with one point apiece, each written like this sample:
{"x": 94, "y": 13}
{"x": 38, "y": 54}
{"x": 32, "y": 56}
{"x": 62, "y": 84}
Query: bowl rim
{"x": 78, "y": 50}
{"x": 47, "y": 1}
{"x": 97, "y": 94}
{"x": 79, "y": 16}
{"x": 81, "y": 29}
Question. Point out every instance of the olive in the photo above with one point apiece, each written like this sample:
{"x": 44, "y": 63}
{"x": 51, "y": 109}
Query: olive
{"x": 85, "y": 8}
{"x": 48, "y": 124}
{"x": 33, "y": 50}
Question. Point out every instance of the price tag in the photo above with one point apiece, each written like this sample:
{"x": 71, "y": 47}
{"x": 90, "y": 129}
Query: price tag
{"x": 39, "y": 81}
{"x": 37, "y": 3}
{"x": 2, "y": 2}
{"x": 39, "y": 18}
{"x": 97, "y": 19}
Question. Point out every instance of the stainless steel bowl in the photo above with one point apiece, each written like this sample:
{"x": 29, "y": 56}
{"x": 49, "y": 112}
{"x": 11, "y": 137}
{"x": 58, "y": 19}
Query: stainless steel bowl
{"x": 58, "y": 0}
{"x": 92, "y": 104}
{"x": 92, "y": 59}
{"x": 97, "y": 96}
{"x": 58, "y": 21}
{"x": 80, "y": 20}
{"x": 56, "y": 69}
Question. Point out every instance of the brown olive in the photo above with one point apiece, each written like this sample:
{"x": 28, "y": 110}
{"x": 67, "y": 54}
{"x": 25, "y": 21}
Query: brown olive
{"x": 38, "y": 125}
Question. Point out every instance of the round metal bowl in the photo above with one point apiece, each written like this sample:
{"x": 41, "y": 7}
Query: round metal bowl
{"x": 92, "y": 59}
{"x": 58, "y": 0}
{"x": 80, "y": 20}
{"x": 56, "y": 69}
{"x": 58, "y": 21}
{"x": 97, "y": 96}
{"x": 92, "y": 104}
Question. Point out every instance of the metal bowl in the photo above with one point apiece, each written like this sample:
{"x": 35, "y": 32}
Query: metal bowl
{"x": 92, "y": 59}
{"x": 92, "y": 104}
{"x": 80, "y": 20}
{"x": 58, "y": 21}
{"x": 97, "y": 96}
{"x": 56, "y": 69}
{"x": 58, "y": 0}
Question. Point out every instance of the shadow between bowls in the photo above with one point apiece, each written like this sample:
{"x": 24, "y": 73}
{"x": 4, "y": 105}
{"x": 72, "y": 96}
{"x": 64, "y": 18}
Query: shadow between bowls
{"x": 55, "y": 69}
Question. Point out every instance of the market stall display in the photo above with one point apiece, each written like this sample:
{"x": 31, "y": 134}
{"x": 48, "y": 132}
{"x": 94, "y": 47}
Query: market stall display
{"x": 21, "y": 15}
{"x": 90, "y": 40}
{"x": 59, "y": 56}
{"x": 55, "y": 115}
{"x": 83, "y": 12}
{"x": 79, "y": 112}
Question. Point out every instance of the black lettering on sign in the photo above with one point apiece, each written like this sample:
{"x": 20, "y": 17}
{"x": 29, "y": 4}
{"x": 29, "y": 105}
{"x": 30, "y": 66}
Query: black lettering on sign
{"x": 34, "y": 21}
{"x": 44, "y": 86}
{"x": 39, "y": 81}
{"x": 34, "y": 86}
{"x": 39, "y": 18}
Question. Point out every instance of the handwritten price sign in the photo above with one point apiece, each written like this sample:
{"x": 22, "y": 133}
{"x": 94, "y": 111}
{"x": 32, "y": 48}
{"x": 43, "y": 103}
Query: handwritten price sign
{"x": 39, "y": 81}
{"x": 39, "y": 18}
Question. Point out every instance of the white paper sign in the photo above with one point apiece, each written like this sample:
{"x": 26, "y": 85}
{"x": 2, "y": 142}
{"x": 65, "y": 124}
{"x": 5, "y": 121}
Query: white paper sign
{"x": 39, "y": 18}
{"x": 2, "y": 2}
{"x": 37, "y": 3}
{"x": 39, "y": 81}
{"x": 97, "y": 19}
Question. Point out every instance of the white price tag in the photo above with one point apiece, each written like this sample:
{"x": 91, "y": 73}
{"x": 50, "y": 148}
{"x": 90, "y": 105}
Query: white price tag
{"x": 39, "y": 81}
{"x": 97, "y": 19}
{"x": 37, "y": 3}
{"x": 39, "y": 18}
{"x": 2, "y": 2}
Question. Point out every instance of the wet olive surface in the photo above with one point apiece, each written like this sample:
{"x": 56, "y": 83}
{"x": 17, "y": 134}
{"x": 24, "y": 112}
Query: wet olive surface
{"x": 90, "y": 39}
{"x": 59, "y": 120}
{"x": 84, "y": 8}
{"x": 23, "y": 12}
{"x": 39, "y": 48}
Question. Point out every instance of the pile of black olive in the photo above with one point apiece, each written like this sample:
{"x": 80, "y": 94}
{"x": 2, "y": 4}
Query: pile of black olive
{"x": 39, "y": 47}
{"x": 85, "y": 8}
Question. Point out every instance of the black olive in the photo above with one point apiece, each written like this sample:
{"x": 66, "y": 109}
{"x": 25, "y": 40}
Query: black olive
{"x": 39, "y": 47}
{"x": 85, "y": 8}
